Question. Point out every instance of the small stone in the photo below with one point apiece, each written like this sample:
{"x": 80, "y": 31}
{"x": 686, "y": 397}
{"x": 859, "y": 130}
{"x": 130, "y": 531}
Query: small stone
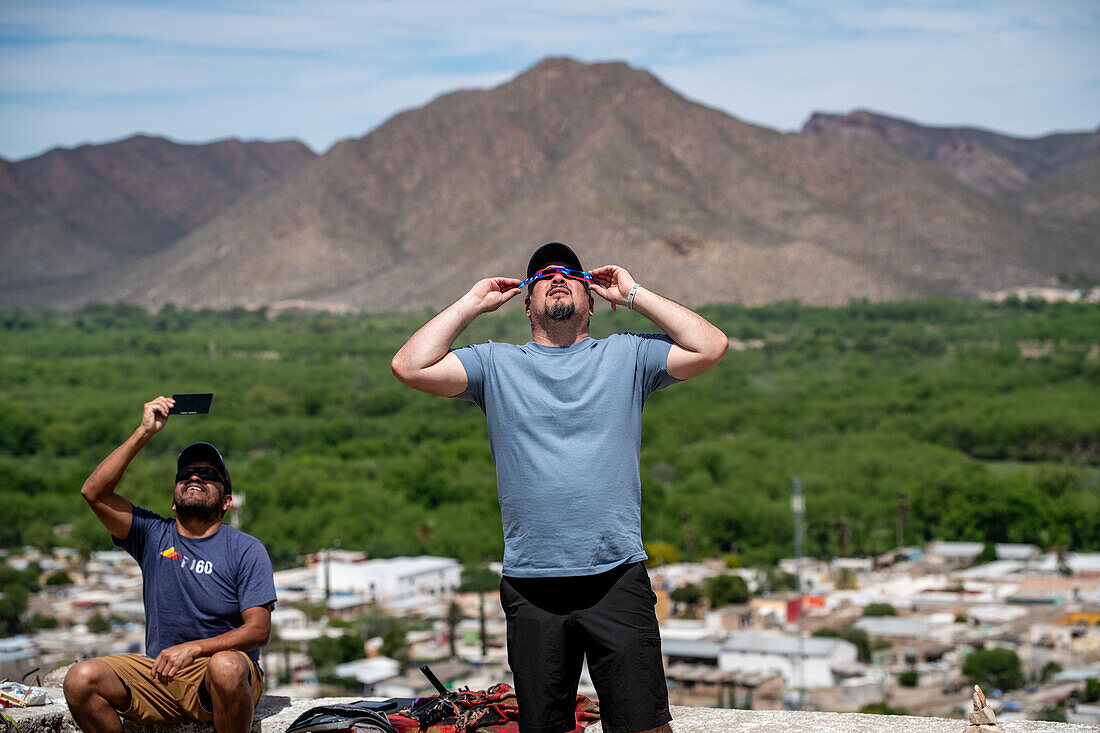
{"x": 994, "y": 728}
{"x": 979, "y": 698}
{"x": 983, "y": 717}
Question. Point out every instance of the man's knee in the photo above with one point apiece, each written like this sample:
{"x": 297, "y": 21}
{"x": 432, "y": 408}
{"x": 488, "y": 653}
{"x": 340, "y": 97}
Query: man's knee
{"x": 90, "y": 677}
{"x": 227, "y": 671}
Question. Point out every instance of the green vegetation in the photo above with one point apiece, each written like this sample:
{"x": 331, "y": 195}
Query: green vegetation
{"x": 909, "y": 678}
{"x": 42, "y": 621}
{"x": 879, "y": 609}
{"x": 1050, "y": 669}
{"x": 882, "y": 708}
{"x": 327, "y": 651}
{"x": 984, "y": 418}
{"x": 58, "y": 577}
{"x": 662, "y": 553}
{"x": 98, "y": 624}
{"x": 722, "y": 590}
{"x": 856, "y": 636}
{"x": 994, "y": 669}
{"x": 690, "y": 596}
{"x": 16, "y": 587}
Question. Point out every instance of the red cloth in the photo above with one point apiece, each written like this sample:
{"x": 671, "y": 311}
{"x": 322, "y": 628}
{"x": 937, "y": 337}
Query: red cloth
{"x": 490, "y": 711}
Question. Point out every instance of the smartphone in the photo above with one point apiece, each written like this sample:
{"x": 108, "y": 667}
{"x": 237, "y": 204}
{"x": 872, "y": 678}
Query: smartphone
{"x": 192, "y": 404}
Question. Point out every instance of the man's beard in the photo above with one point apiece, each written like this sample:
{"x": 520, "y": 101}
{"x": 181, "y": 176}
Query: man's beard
{"x": 188, "y": 509}
{"x": 560, "y": 311}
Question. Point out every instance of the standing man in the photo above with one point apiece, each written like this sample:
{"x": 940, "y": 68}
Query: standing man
{"x": 208, "y": 592}
{"x": 564, "y": 418}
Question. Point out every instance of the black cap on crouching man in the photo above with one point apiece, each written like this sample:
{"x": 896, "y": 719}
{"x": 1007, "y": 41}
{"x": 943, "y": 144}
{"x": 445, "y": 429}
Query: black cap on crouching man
{"x": 206, "y": 453}
{"x": 553, "y": 252}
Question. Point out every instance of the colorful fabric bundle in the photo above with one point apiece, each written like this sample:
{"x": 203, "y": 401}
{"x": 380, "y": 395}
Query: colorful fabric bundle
{"x": 468, "y": 711}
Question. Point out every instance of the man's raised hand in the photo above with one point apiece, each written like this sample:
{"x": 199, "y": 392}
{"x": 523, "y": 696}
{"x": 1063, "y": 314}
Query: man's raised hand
{"x": 154, "y": 416}
{"x": 493, "y": 292}
{"x": 612, "y": 283}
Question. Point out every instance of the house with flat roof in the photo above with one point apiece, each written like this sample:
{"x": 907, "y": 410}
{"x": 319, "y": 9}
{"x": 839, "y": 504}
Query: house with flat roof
{"x": 803, "y": 662}
{"x": 809, "y": 661}
{"x": 391, "y": 579}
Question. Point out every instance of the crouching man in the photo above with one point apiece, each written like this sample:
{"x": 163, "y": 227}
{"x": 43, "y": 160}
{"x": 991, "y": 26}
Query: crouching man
{"x": 208, "y": 590}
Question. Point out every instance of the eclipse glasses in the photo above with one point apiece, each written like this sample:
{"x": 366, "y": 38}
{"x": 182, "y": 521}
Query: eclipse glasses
{"x": 548, "y": 272}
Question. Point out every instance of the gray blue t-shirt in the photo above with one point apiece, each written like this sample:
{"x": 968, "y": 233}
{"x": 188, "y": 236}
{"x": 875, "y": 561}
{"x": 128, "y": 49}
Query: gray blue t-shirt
{"x": 565, "y": 429}
{"x": 196, "y": 588}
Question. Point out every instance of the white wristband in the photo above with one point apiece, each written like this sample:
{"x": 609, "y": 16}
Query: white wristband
{"x": 630, "y": 297}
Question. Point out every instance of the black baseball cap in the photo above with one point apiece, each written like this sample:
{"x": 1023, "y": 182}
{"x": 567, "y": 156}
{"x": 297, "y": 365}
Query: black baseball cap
{"x": 205, "y": 453}
{"x": 553, "y": 252}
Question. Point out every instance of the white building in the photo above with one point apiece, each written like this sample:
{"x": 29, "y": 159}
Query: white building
{"x": 807, "y": 662}
{"x": 369, "y": 672}
{"x": 810, "y": 664}
{"x": 675, "y": 629}
{"x": 966, "y": 552}
{"x": 391, "y": 579}
{"x": 286, "y": 618}
{"x": 940, "y": 627}
{"x": 1076, "y": 562}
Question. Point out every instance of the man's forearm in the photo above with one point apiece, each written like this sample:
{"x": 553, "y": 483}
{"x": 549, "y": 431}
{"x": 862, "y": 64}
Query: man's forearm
{"x": 243, "y": 638}
{"x": 110, "y": 470}
{"x": 434, "y": 339}
{"x": 687, "y": 329}
{"x": 423, "y": 362}
{"x": 251, "y": 635}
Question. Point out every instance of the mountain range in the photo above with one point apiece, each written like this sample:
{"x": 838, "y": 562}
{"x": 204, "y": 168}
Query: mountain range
{"x": 698, "y": 204}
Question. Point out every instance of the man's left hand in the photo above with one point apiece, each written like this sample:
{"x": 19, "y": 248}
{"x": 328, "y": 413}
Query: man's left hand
{"x": 173, "y": 659}
{"x": 613, "y": 283}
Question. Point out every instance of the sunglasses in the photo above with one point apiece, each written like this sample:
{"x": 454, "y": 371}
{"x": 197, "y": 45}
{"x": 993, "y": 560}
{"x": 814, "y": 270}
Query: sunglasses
{"x": 205, "y": 473}
{"x": 548, "y": 272}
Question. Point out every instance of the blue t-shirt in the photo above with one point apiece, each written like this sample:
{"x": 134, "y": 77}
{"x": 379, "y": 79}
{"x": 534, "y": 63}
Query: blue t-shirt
{"x": 565, "y": 429}
{"x": 196, "y": 588}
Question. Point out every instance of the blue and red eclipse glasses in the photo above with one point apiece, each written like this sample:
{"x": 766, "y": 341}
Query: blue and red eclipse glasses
{"x": 548, "y": 272}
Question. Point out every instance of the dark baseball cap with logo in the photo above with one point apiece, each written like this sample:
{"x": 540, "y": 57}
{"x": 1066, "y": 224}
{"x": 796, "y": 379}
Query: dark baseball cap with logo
{"x": 205, "y": 453}
{"x": 553, "y": 253}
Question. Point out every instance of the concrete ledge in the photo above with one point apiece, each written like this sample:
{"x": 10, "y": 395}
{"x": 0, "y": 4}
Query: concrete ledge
{"x": 274, "y": 714}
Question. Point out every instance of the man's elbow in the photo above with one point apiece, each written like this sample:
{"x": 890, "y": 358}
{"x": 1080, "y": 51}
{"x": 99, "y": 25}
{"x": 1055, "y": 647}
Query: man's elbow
{"x": 408, "y": 376}
{"x": 402, "y": 370}
{"x": 258, "y": 637}
{"x": 715, "y": 350}
{"x": 263, "y": 636}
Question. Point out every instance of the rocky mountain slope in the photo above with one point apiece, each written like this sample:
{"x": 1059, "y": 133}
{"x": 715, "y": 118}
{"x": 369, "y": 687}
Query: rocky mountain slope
{"x": 69, "y": 213}
{"x": 699, "y": 205}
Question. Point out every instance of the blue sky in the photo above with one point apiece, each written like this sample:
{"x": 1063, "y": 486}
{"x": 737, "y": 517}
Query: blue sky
{"x": 76, "y": 71}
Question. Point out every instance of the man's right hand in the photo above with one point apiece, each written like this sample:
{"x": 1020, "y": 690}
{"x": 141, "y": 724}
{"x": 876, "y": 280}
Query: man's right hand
{"x": 493, "y": 292}
{"x": 154, "y": 416}
{"x": 114, "y": 511}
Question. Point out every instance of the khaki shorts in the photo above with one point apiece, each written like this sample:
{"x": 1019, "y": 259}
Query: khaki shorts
{"x": 178, "y": 701}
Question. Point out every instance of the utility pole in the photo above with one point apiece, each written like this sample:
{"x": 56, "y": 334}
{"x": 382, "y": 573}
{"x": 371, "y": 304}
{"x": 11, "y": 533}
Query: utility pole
{"x": 328, "y": 571}
{"x": 903, "y": 515}
{"x": 798, "y": 507}
{"x": 235, "y": 510}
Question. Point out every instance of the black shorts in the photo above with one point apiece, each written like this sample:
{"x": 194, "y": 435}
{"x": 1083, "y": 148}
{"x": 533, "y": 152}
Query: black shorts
{"x": 554, "y": 622}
